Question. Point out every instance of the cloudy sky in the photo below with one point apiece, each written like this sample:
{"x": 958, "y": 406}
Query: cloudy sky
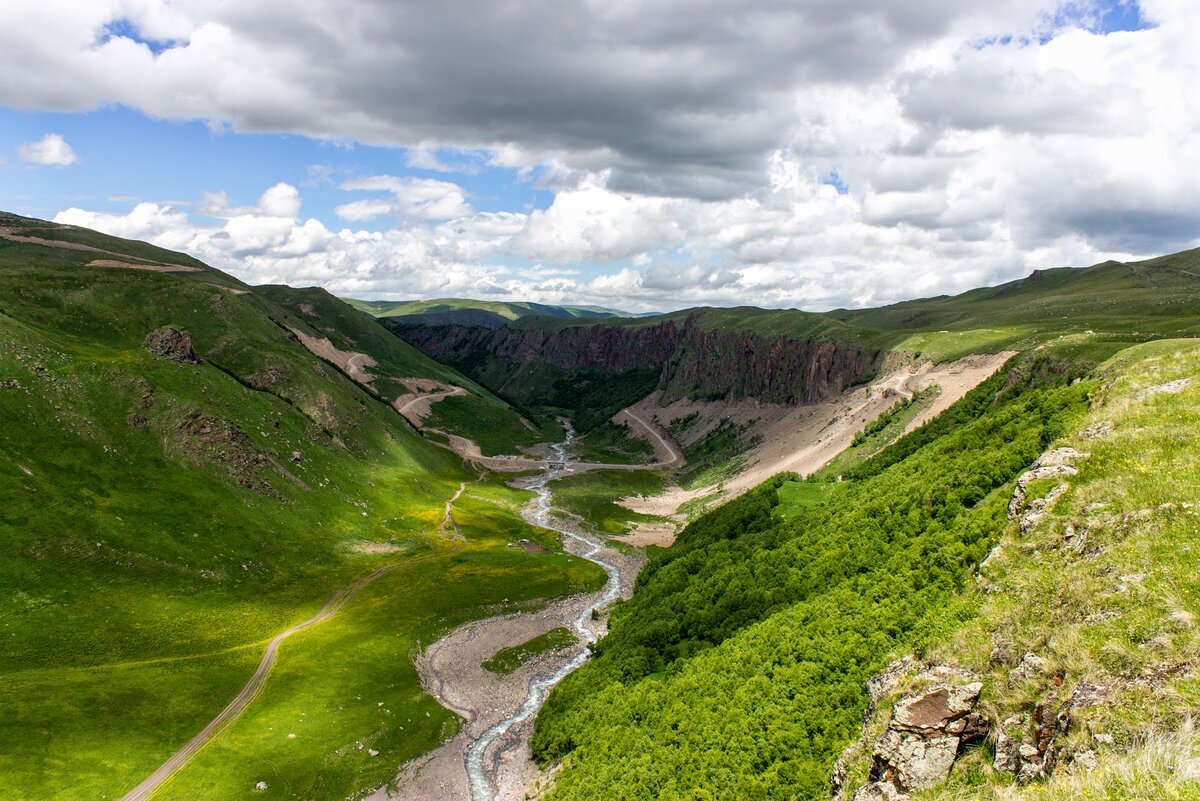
{"x": 642, "y": 154}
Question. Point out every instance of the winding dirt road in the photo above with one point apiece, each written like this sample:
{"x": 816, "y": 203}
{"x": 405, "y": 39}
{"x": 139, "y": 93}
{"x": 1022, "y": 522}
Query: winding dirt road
{"x": 248, "y": 693}
{"x": 665, "y": 449}
{"x": 448, "y": 519}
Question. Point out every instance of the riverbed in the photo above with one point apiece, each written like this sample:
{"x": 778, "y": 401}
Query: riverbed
{"x": 489, "y": 759}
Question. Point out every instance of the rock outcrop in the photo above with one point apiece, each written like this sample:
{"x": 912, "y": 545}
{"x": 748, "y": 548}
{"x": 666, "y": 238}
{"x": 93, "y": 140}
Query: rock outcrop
{"x": 173, "y": 345}
{"x": 924, "y": 736}
{"x": 692, "y": 361}
{"x": 1051, "y": 464}
{"x": 1029, "y": 746}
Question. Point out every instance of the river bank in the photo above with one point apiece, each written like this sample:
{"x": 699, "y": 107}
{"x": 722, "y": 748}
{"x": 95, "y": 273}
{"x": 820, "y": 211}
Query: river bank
{"x": 489, "y": 760}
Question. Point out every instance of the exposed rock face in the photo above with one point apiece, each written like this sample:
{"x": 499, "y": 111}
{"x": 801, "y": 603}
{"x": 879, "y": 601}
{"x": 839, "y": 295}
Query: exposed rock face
{"x": 926, "y": 732}
{"x": 169, "y": 343}
{"x": 219, "y": 440}
{"x": 694, "y": 362}
{"x": 1051, "y": 464}
{"x": 1035, "y": 753}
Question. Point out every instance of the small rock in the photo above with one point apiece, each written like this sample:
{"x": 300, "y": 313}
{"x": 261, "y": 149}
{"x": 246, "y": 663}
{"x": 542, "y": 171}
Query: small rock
{"x": 372, "y": 752}
{"x": 879, "y": 791}
{"x": 261, "y": 786}
{"x": 1084, "y": 762}
{"x": 297, "y": 456}
{"x": 1097, "y": 430}
{"x": 1031, "y": 665}
{"x": 1085, "y": 695}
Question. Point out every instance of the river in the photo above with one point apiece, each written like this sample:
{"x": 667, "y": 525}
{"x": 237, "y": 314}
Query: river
{"x": 585, "y": 546}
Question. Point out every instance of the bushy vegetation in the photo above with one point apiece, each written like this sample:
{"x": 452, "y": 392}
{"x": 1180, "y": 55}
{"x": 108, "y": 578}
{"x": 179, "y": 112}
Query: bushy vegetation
{"x": 888, "y": 417}
{"x": 613, "y": 443}
{"x": 740, "y": 661}
{"x": 506, "y": 660}
{"x": 591, "y": 397}
{"x": 715, "y": 456}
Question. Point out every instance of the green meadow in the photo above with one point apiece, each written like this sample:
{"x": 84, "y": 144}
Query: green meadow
{"x": 162, "y": 520}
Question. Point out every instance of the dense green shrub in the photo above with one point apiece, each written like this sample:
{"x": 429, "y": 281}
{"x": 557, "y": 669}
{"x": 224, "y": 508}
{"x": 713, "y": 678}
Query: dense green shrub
{"x": 737, "y": 669}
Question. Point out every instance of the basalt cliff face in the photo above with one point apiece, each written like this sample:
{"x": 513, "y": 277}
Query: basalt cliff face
{"x": 691, "y": 361}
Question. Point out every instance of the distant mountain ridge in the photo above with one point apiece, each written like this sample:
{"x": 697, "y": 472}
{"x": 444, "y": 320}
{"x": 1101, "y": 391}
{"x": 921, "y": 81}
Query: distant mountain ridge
{"x": 464, "y": 311}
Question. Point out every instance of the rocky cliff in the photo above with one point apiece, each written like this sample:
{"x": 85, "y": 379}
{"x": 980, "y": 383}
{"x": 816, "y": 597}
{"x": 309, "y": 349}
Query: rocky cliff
{"x": 692, "y": 361}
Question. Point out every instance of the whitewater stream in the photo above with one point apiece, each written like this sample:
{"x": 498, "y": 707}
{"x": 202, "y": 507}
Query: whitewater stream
{"x": 479, "y": 767}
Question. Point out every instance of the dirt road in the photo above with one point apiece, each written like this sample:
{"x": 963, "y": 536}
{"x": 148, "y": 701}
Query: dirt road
{"x": 448, "y": 519}
{"x": 248, "y": 693}
{"x": 415, "y": 407}
{"x": 666, "y": 451}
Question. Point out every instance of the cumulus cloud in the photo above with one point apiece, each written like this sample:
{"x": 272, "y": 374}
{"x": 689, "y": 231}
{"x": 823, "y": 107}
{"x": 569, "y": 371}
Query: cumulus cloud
{"x": 420, "y": 198}
{"x": 701, "y": 151}
{"x": 49, "y": 151}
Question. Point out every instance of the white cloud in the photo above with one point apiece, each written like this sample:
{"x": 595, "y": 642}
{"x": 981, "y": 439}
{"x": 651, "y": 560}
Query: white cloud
{"x": 419, "y": 198}
{"x": 281, "y": 200}
{"x": 805, "y": 246}
{"x": 689, "y": 150}
{"x": 49, "y": 151}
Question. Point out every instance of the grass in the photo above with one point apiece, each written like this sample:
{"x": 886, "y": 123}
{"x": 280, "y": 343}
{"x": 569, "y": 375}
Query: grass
{"x": 446, "y": 308}
{"x": 611, "y": 443}
{"x": 797, "y": 495}
{"x": 157, "y": 530}
{"x": 506, "y": 660}
{"x": 1113, "y": 604}
{"x": 716, "y": 456}
{"x": 593, "y": 497}
{"x": 497, "y": 430}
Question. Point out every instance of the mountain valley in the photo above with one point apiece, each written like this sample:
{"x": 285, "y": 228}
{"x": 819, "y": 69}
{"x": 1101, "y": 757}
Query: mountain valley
{"x": 943, "y": 549}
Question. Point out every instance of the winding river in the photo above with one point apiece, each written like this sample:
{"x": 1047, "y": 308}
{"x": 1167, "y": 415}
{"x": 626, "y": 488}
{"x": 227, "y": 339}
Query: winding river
{"x": 480, "y": 769}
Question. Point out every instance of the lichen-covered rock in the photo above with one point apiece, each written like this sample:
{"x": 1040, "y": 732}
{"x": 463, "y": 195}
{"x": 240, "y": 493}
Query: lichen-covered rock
{"x": 1051, "y": 464}
{"x": 172, "y": 344}
{"x": 925, "y": 735}
{"x": 879, "y": 791}
{"x": 1031, "y": 666}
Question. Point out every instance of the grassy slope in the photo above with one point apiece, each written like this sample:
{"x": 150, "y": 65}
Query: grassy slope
{"x": 1120, "y": 612}
{"x": 501, "y": 310}
{"x": 1128, "y": 303}
{"x": 150, "y": 546}
{"x": 480, "y": 415}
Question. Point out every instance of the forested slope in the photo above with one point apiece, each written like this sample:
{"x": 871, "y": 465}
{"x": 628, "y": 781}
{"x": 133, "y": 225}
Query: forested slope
{"x": 737, "y": 669}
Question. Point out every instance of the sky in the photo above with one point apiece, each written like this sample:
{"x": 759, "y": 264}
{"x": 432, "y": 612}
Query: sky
{"x": 640, "y": 155}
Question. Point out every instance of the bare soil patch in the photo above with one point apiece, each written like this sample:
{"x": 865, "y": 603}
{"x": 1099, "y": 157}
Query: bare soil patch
{"x": 154, "y": 268}
{"x": 352, "y": 364}
{"x": 803, "y": 439}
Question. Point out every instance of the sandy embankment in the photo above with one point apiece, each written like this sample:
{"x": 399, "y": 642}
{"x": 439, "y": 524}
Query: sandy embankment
{"x": 803, "y": 439}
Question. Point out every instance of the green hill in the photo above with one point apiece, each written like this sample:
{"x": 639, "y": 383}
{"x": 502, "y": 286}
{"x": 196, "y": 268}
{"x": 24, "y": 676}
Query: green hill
{"x": 739, "y": 669}
{"x": 183, "y": 479}
{"x": 487, "y": 313}
{"x": 479, "y": 415}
